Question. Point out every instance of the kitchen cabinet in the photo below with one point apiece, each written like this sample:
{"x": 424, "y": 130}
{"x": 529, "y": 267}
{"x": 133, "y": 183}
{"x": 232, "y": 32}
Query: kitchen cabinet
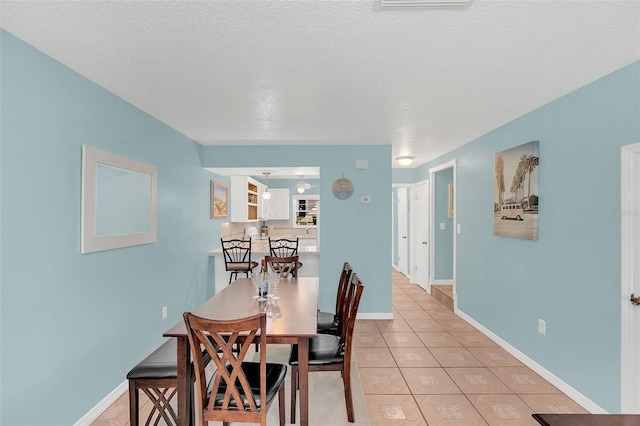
{"x": 245, "y": 199}
{"x": 278, "y": 204}
{"x": 307, "y": 211}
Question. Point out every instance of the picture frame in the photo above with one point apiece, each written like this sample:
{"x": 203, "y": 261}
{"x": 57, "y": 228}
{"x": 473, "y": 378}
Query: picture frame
{"x": 516, "y": 192}
{"x": 219, "y": 200}
{"x": 119, "y": 201}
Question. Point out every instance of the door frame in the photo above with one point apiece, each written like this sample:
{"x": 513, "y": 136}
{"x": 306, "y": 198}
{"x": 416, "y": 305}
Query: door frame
{"x": 415, "y": 243}
{"x": 407, "y": 268}
{"x": 630, "y": 350}
{"x": 432, "y": 225}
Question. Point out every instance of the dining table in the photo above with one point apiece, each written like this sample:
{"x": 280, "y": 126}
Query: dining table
{"x": 291, "y": 319}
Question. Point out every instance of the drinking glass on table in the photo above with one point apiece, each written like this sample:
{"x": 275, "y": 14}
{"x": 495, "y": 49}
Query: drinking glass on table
{"x": 258, "y": 280}
{"x": 274, "y": 280}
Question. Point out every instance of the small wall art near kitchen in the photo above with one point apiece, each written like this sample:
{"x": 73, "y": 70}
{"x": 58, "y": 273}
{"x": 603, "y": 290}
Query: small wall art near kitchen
{"x": 515, "y": 195}
{"x": 219, "y": 200}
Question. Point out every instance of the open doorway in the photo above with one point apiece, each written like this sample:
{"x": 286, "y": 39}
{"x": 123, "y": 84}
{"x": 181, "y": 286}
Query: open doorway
{"x": 442, "y": 233}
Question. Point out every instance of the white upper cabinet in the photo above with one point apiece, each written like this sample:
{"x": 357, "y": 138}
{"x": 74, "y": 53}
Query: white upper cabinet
{"x": 279, "y": 204}
{"x": 245, "y": 199}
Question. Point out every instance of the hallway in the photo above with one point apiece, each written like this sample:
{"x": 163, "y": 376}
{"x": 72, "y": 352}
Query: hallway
{"x": 427, "y": 366}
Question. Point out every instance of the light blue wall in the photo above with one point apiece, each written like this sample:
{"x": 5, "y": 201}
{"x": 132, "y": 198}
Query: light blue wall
{"x": 570, "y": 277}
{"x": 73, "y": 325}
{"x": 443, "y": 239}
{"x": 349, "y": 230}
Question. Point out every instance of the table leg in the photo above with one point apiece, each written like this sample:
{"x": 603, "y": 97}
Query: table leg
{"x": 303, "y": 372}
{"x": 184, "y": 375}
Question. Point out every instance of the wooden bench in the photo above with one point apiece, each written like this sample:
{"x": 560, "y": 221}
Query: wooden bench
{"x": 157, "y": 377}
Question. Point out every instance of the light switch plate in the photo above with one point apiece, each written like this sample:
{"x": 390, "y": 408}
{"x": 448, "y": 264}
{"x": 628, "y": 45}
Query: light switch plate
{"x": 365, "y": 199}
{"x": 362, "y": 164}
{"x": 443, "y": 226}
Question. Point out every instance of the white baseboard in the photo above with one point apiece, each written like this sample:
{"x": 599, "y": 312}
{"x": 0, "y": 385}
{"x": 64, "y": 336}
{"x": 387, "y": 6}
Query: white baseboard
{"x": 585, "y": 402}
{"x": 442, "y": 282}
{"x": 374, "y": 316}
{"x": 100, "y": 408}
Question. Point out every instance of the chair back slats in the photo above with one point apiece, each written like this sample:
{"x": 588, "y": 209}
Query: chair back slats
{"x": 287, "y": 266}
{"x": 236, "y": 251}
{"x": 283, "y": 247}
{"x": 352, "y": 303}
{"x": 343, "y": 286}
{"x": 229, "y": 388}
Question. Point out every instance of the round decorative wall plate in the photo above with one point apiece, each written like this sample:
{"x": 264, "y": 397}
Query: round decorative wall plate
{"x": 342, "y": 188}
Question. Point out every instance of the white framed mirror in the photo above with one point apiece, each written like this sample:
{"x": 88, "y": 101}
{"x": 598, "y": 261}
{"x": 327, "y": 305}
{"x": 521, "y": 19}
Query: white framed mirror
{"x": 119, "y": 201}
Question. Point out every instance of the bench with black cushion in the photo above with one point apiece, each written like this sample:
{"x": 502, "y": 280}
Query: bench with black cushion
{"x": 157, "y": 377}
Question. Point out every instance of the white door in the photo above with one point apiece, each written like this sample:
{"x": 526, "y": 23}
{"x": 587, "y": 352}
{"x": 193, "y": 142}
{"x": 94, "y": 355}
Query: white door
{"x": 402, "y": 230}
{"x": 420, "y": 234}
{"x": 630, "y": 330}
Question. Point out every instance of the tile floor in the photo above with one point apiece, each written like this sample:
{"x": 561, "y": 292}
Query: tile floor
{"x": 427, "y": 366}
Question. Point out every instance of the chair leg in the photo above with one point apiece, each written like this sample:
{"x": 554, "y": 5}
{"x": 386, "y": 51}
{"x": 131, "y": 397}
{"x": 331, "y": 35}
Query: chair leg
{"x": 133, "y": 403}
{"x": 281, "y": 396}
{"x": 294, "y": 391}
{"x": 348, "y": 397}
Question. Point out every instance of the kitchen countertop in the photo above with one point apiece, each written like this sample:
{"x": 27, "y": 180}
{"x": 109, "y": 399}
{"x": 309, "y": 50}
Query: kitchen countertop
{"x": 262, "y": 247}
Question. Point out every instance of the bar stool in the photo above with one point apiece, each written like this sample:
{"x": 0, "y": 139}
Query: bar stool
{"x": 237, "y": 257}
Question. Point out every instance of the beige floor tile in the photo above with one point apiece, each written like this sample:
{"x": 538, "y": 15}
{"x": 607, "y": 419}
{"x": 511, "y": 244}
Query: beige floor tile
{"x": 494, "y": 356}
{"x": 409, "y": 305}
{"x": 394, "y": 410}
{"x": 456, "y": 325}
{"x": 556, "y": 403}
{"x": 413, "y": 357}
{"x": 397, "y": 325}
{"x": 383, "y": 381}
{"x": 402, "y": 340}
{"x": 429, "y": 381}
{"x": 424, "y": 325}
{"x": 421, "y": 314}
{"x": 374, "y": 357}
{"x": 472, "y": 338}
{"x": 441, "y": 339}
{"x": 477, "y": 380}
{"x": 455, "y": 357}
{"x": 503, "y": 410}
{"x": 368, "y": 340}
{"x": 523, "y": 380}
{"x": 400, "y": 296}
{"x": 366, "y": 326}
{"x": 431, "y": 304}
{"x": 446, "y": 410}
{"x": 442, "y": 314}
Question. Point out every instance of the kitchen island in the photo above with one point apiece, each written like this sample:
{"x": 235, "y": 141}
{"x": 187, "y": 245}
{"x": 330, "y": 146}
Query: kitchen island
{"x": 309, "y": 255}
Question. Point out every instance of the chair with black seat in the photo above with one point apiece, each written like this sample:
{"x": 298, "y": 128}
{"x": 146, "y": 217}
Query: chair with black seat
{"x": 284, "y": 247}
{"x": 238, "y": 391}
{"x": 237, "y": 257}
{"x": 328, "y": 322}
{"x": 287, "y": 266}
{"x": 332, "y": 353}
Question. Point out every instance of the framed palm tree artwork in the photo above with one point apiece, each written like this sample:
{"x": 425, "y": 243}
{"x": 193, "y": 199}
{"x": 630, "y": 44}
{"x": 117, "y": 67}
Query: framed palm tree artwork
{"x": 516, "y": 196}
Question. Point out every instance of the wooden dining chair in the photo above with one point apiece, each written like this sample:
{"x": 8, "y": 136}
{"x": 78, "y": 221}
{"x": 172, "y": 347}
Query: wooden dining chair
{"x": 284, "y": 247}
{"x": 329, "y": 322}
{"x": 332, "y": 353}
{"x": 237, "y": 257}
{"x": 287, "y": 266}
{"x": 238, "y": 391}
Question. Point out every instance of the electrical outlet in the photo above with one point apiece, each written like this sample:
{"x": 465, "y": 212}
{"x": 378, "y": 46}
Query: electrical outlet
{"x": 164, "y": 312}
{"x": 542, "y": 327}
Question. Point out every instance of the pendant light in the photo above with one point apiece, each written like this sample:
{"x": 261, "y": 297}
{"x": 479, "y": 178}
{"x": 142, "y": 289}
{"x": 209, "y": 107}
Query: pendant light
{"x": 266, "y": 195}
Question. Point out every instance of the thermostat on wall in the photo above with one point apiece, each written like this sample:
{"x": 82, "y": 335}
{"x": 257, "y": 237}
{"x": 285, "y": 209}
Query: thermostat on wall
{"x": 365, "y": 199}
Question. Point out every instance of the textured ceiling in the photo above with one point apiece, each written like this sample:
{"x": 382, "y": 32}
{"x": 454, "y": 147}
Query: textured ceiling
{"x": 334, "y": 72}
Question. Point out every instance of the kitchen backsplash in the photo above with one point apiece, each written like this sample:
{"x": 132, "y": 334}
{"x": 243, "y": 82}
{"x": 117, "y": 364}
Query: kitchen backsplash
{"x": 277, "y": 228}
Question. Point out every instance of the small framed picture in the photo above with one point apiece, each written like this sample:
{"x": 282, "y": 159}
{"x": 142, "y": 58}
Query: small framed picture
{"x": 219, "y": 192}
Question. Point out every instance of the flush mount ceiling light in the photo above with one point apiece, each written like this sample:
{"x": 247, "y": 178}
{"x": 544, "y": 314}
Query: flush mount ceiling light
{"x": 405, "y": 160}
{"x": 266, "y": 195}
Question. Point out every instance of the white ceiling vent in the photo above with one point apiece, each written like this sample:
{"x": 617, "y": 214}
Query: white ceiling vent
{"x": 417, "y": 4}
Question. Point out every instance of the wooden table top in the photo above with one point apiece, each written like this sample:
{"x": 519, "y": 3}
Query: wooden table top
{"x": 587, "y": 419}
{"x": 296, "y": 314}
